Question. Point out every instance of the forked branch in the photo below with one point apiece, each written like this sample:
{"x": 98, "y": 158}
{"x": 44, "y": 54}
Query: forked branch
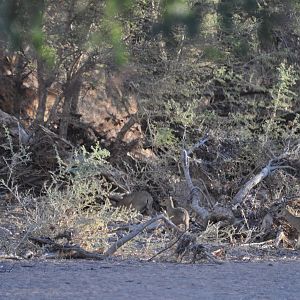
{"x": 218, "y": 213}
{"x": 112, "y": 249}
{"x": 274, "y": 164}
{"x": 196, "y": 195}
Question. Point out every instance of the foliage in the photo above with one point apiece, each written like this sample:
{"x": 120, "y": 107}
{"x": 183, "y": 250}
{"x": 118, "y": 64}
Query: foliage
{"x": 164, "y": 137}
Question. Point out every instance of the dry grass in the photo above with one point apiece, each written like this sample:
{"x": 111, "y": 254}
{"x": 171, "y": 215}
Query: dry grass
{"x": 70, "y": 205}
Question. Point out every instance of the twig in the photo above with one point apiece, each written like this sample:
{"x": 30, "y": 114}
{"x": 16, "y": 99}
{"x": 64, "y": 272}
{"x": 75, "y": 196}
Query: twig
{"x": 132, "y": 120}
{"x": 269, "y": 242}
{"x": 168, "y": 247}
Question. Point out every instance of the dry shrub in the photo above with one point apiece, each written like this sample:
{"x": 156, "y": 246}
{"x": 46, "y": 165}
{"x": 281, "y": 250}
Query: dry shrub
{"x": 68, "y": 204}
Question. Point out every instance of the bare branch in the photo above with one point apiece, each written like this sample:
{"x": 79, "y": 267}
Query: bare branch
{"x": 199, "y": 144}
{"x": 244, "y": 191}
{"x": 168, "y": 247}
{"x": 112, "y": 249}
{"x": 196, "y": 194}
{"x": 273, "y": 165}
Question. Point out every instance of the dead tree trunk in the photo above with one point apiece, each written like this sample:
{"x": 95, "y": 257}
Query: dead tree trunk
{"x": 43, "y": 85}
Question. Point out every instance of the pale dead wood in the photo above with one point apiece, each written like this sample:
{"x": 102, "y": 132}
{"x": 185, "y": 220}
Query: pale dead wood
{"x": 131, "y": 121}
{"x": 268, "y": 243}
{"x": 219, "y": 213}
{"x": 74, "y": 251}
{"x": 200, "y": 143}
{"x": 12, "y": 257}
{"x": 273, "y": 165}
{"x": 125, "y": 227}
{"x": 196, "y": 195}
{"x": 209, "y": 199}
{"x": 112, "y": 249}
{"x": 118, "y": 144}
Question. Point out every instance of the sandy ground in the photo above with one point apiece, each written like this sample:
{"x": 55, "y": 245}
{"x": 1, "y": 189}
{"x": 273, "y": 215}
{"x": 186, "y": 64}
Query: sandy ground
{"x": 142, "y": 280}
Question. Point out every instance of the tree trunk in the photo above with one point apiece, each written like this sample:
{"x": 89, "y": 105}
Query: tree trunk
{"x": 75, "y": 97}
{"x": 71, "y": 99}
{"x": 42, "y": 92}
{"x": 64, "y": 122}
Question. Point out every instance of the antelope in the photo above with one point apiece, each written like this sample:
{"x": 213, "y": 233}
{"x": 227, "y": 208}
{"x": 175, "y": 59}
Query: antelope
{"x": 178, "y": 215}
{"x": 294, "y": 221}
{"x": 142, "y": 201}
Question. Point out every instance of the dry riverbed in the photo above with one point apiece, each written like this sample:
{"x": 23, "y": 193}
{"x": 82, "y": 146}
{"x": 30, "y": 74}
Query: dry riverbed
{"x": 127, "y": 279}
